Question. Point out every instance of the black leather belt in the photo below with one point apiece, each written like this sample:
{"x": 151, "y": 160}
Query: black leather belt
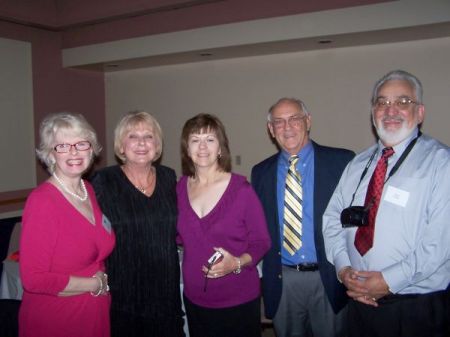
{"x": 304, "y": 266}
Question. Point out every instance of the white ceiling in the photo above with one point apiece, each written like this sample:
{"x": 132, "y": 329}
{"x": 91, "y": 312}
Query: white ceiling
{"x": 127, "y": 34}
{"x": 387, "y": 22}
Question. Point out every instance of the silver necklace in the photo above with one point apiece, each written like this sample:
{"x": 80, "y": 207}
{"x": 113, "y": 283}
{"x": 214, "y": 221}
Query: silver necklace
{"x": 141, "y": 188}
{"x": 83, "y": 189}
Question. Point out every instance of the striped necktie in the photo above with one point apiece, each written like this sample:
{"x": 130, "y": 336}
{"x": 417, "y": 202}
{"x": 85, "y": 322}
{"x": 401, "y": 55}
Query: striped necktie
{"x": 293, "y": 213}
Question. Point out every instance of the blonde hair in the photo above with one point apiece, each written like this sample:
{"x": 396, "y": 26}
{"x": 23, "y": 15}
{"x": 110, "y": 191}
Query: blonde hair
{"x": 76, "y": 124}
{"x": 130, "y": 121}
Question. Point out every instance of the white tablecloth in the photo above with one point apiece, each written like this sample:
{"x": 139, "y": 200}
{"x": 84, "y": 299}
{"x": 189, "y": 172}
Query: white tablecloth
{"x": 11, "y": 287}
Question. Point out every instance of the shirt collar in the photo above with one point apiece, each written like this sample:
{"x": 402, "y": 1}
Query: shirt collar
{"x": 304, "y": 153}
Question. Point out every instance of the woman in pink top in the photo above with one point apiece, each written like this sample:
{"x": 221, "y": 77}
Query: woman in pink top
{"x": 65, "y": 239}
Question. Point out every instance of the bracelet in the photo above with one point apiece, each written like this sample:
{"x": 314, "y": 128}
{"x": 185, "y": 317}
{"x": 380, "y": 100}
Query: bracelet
{"x": 100, "y": 289}
{"x": 107, "y": 285}
{"x": 238, "y": 269}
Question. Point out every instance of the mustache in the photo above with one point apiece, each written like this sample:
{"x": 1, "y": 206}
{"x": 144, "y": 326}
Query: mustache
{"x": 392, "y": 119}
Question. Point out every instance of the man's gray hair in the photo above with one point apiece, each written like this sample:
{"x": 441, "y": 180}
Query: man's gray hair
{"x": 291, "y": 100}
{"x": 399, "y": 75}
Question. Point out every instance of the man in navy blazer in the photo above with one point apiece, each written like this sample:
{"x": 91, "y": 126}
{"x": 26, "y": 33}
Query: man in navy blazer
{"x": 301, "y": 292}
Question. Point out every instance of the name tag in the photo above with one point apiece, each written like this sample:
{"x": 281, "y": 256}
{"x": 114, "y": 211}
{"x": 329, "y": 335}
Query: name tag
{"x": 396, "y": 196}
{"x": 106, "y": 224}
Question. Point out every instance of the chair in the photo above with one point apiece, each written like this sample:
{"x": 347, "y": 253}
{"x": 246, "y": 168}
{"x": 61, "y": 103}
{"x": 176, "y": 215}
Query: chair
{"x": 9, "y": 314}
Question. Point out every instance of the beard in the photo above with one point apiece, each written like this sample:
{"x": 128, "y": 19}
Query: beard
{"x": 393, "y": 137}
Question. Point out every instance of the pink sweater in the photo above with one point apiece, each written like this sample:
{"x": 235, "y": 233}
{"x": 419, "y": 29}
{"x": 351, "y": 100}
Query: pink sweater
{"x": 57, "y": 241}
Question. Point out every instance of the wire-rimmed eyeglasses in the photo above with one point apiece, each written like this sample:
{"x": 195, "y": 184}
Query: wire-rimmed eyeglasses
{"x": 402, "y": 103}
{"x": 293, "y": 121}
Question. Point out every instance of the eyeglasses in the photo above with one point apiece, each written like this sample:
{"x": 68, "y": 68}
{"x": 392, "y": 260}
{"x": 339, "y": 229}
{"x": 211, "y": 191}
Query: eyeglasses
{"x": 84, "y": 145}
{"x": 402, "y": 103}
{"x": 293, "y": 121}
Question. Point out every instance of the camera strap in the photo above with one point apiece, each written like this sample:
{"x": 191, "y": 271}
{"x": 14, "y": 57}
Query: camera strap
{"x": 393, "y": 170}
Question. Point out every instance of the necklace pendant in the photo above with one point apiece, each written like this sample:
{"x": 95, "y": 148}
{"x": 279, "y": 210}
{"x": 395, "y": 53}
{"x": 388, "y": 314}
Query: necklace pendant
{"x": 137, "y": 183}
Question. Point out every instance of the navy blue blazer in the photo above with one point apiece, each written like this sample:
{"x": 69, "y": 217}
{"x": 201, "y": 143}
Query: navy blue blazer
{"x": 329, "y": 163}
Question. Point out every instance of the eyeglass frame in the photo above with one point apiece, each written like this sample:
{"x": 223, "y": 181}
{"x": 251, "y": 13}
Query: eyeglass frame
{"x": 293, "y": 121}
{"x": 397, "y": 103}
{"x": 55, "y": 148}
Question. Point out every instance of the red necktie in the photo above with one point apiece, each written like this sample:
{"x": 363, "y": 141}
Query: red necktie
{"x": 364, "y": 234}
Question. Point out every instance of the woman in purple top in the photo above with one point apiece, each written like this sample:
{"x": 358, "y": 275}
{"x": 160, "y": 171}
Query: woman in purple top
{"x": 218, "y": 212}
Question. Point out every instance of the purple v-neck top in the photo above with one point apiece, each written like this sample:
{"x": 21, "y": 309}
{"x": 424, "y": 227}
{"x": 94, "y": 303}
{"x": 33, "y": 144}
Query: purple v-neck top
{"x": 237, "y": 224}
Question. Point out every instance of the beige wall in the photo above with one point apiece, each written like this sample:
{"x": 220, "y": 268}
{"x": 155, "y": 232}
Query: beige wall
{"x": 335, "y": 84}
{"x": 33, "y": 84}
{"x": 17, "y": 163}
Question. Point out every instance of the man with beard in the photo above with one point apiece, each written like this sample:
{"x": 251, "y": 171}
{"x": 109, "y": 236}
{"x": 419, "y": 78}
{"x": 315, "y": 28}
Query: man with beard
{"x": 393, "y": 254}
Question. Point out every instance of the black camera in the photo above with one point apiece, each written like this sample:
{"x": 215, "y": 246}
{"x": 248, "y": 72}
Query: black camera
{"x": 354, "y": 216}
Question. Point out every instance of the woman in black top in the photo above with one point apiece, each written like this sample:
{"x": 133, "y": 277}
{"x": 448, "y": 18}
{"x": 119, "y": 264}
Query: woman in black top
{"x": 139, "y": 199}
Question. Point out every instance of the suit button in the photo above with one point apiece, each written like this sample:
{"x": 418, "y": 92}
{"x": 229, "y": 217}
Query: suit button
{"x": 279, "y": 276}
{"x": 279, "y": 253}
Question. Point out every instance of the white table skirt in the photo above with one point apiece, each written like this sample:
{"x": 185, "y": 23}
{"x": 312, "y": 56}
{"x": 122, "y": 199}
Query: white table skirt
{"x": 11, "y": 287}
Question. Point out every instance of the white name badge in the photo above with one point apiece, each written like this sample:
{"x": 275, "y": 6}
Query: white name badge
{"x": 106, "y": 223}
{"x": 396, "y": 196}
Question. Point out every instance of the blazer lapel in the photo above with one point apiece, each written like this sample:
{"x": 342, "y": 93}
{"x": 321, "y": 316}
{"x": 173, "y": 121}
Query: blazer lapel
{"x": 271, "y": 203}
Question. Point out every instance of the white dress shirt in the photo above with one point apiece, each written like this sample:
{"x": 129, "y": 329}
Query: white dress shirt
{"x": 412, "y": 228}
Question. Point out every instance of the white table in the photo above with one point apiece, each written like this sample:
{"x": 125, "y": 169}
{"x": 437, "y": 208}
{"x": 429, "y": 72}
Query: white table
{"x": 11, "y": 286}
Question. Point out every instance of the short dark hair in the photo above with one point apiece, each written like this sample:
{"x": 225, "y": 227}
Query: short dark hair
{"x": 203, "y": 123}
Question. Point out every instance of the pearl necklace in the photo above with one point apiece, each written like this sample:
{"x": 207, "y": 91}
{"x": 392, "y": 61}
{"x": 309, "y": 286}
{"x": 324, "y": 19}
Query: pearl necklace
{"x": 83, "y": 188}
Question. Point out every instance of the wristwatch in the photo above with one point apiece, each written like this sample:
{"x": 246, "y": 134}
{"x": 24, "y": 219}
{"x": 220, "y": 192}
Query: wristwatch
{"x": 238, "y": 270}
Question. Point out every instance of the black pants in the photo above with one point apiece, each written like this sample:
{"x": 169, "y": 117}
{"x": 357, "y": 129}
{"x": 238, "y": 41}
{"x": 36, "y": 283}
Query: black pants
{"x": 243, "y": 320}
{"x": 124, "y": 324}
{"x": 9, "y": 313}
{"x": 418, "y": 315}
